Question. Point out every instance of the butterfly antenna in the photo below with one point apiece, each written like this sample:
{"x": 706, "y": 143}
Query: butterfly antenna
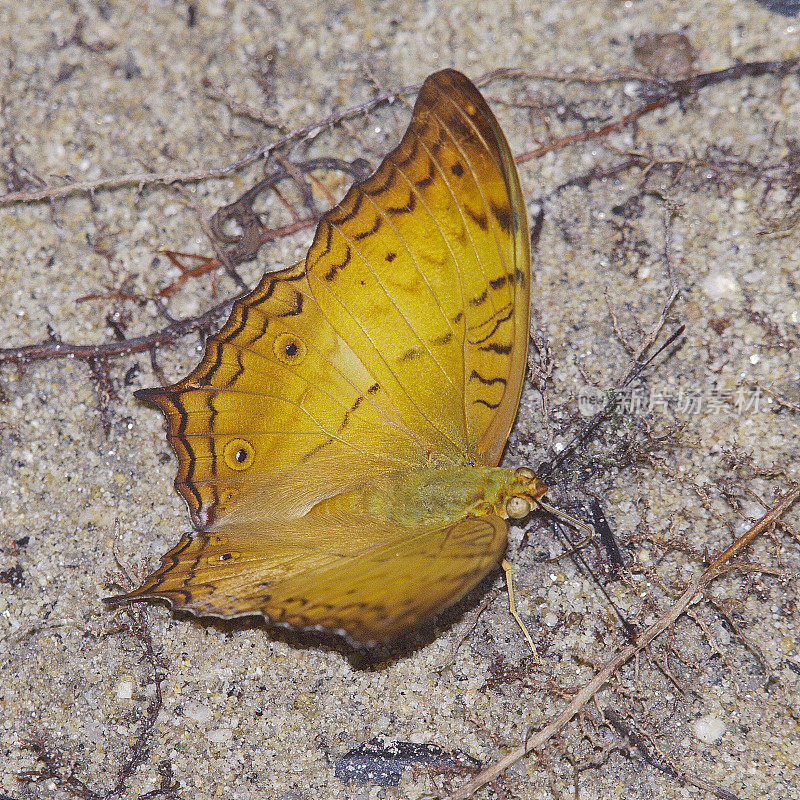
{"x": 574, "y": 552}
{"x": 568, "y": 518}
{"x": 548, "y": 469}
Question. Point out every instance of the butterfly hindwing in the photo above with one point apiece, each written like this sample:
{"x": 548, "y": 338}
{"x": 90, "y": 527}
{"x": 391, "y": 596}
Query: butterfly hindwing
{"x": 277, "y": 386}
{"x": 301, "y": 578}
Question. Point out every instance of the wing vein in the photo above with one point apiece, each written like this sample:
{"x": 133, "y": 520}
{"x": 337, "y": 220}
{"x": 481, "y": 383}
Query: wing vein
{"x": 352, "y": 243}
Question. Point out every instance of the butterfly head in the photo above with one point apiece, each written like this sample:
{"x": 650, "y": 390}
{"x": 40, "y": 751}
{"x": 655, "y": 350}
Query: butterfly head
{"x": 524, "y": 493}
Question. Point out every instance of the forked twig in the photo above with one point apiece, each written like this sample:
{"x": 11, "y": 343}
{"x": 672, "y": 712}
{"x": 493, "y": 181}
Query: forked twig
{"x": 588, "y": 691}
{"x": 637, "y": 364}
{"x": 120, "y": 347}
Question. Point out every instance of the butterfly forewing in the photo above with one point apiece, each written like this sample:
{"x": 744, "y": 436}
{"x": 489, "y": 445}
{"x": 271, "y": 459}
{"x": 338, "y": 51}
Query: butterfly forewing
{"x": 436, "y": 241}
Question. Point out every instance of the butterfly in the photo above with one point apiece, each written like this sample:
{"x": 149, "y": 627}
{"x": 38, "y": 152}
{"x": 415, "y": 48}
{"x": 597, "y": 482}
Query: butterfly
{"x": 338, "y": 443}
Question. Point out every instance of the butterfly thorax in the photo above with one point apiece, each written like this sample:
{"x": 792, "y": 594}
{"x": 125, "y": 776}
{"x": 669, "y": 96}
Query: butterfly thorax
{"x": 436, "y": 497}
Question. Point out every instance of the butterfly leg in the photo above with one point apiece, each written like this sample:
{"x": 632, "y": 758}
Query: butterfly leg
{"x": 512, "y": 607}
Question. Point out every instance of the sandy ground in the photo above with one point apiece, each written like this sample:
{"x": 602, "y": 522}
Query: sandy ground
{"x": 249, "y": 713}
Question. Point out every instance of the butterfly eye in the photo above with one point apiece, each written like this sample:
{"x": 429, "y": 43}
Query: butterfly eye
{"x": 524, "y": 472}
{"x": 517, "y": 507}
{"x": 289, "y": 349}
{"x": 239, "y": 454}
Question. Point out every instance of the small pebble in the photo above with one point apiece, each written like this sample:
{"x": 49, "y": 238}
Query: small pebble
{"x": 220, "y": 735}
{"x": 720, "y": 285}
{"x": 670, "y": 55}
{"x": 198, "y": 712}
{"x": 708, "y": 729}
{"x": 125, "y": 690}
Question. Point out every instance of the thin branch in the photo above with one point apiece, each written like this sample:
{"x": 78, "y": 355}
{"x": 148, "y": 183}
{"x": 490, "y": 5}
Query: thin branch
{"x": 117, "y": 348}
{"x": 142, "y": 179}
{"x": 634, "y": 369}
{"x": 665, "y": 93}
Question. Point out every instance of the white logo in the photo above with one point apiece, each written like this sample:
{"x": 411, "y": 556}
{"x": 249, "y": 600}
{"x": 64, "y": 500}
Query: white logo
{"x": 590, "y": 400}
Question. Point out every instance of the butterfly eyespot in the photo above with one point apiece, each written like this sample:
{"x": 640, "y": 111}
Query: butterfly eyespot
{"x": 517, "y": 507}
{"x": 524, "y": 472}
{"x": 289, "y": 349}
{"x": 239, "y": 454}
{"x": 222, "y": 558}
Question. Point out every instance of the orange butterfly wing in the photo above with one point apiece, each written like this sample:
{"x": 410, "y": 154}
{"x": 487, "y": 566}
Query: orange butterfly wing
{"x": 424, "y": 268}
{"x": 379, "y": 589}
{"x": 400, "y": 345}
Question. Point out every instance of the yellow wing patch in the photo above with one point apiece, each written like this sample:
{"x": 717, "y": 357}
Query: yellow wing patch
{"x": 276, "y": 386}
{"x": 424, "y": 268}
